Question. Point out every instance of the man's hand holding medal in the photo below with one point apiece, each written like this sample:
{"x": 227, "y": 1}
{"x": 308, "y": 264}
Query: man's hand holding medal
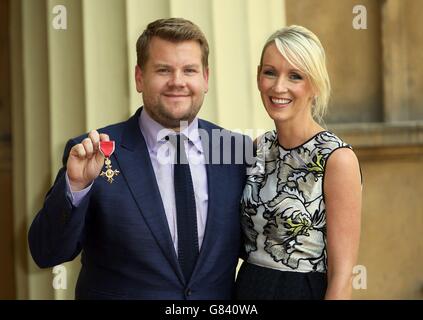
{"x": 87, "y": 158}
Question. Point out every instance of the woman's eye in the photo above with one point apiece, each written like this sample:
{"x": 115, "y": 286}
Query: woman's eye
{"x": 295, "y": 76}
{"x": 269, "y": 73}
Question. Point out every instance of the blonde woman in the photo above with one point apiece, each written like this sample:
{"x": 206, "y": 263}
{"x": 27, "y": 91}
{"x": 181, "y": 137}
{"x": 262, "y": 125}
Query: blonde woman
{"x": 301, "y": 205}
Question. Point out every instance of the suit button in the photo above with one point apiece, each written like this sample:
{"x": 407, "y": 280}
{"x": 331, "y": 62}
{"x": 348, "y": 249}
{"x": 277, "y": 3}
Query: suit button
{"x": 188, "y": 292}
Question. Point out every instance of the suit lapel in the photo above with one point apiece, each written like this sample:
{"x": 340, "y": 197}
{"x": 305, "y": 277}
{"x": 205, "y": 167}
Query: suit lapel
{"x": 135, "y": 163}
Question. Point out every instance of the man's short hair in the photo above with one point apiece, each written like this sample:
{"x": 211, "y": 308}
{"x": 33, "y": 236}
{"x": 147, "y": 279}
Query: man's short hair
{"x": 174, "y": 30}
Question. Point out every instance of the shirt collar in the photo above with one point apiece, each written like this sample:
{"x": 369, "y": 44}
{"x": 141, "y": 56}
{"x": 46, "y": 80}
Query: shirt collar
{"x": 154, "y": 133}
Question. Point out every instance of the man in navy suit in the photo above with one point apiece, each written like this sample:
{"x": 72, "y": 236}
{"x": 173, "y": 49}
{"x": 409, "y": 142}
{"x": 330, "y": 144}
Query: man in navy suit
{"x": 129, "y": 231}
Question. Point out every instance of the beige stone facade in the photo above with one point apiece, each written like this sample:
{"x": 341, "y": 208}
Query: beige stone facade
{"x": 66, "y": 82}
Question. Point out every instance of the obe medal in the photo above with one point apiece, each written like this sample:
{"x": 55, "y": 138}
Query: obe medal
{"x": 107, "y": 148}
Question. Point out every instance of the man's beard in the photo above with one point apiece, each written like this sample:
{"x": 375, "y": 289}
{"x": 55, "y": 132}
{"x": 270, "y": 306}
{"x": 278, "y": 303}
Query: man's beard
{"x": 168, "y": 120}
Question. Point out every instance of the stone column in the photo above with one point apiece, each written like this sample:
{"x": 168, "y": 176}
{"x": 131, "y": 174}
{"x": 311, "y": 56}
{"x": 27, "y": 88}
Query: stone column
{"x": 395, "y": 71}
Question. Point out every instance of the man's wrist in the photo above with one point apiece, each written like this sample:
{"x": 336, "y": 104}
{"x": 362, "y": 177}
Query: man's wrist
{"x": 78, "y": 186}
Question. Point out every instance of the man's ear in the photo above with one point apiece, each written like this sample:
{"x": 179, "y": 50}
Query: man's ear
{"x": 139, "y": 83}
{"x": 206, "y": 78}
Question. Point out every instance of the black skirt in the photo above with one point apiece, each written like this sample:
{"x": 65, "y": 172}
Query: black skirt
{"x": 258, "y": 283}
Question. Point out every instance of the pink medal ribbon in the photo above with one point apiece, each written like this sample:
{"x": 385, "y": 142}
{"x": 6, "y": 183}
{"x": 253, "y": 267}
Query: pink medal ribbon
{"x": 107, "y": 148}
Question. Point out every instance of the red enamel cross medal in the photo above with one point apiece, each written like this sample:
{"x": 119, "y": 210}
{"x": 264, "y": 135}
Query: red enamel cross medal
{"x": 107, "y": 148}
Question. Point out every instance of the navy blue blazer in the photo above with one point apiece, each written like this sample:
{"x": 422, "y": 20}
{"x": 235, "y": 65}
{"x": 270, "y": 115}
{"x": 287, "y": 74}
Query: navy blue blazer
{"x": 122, "y": 231}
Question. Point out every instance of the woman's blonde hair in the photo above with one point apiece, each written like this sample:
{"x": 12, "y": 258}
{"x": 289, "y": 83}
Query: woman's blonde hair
{"x": 303, "y": 50}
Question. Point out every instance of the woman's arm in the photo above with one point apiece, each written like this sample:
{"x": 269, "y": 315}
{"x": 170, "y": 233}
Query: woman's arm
{"x": 342, "y": 191}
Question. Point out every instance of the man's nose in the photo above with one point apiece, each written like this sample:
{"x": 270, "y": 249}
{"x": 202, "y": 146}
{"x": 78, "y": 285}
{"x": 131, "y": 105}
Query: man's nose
{"x": 177, "y": 79}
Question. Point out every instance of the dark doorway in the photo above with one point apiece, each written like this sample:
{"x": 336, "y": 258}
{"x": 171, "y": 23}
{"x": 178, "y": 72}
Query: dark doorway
{"x": 7, "y": 272}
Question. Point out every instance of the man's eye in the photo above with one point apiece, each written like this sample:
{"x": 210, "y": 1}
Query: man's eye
{"x": 162, "y": 70}
{"x": 190, "y": 71}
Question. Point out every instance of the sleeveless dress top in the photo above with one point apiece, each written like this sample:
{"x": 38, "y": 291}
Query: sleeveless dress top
{"x": 283, "y": 209}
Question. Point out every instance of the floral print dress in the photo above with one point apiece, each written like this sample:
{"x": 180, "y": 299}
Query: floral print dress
{"x": 283, "y": 205}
